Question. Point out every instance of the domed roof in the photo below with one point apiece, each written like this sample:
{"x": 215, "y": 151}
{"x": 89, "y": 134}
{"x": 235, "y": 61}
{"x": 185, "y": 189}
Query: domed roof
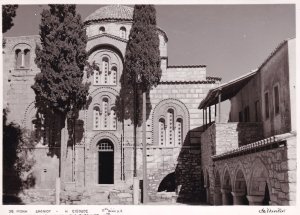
{"x": 111, "y": 12}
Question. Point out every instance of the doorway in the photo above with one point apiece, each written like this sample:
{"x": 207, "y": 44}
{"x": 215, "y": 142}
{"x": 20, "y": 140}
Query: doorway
{"x": 105, "y": 162}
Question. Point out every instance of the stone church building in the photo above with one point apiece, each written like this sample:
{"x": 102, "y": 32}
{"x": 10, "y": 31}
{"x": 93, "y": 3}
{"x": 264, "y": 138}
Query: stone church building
{"x": 102, "y": 161}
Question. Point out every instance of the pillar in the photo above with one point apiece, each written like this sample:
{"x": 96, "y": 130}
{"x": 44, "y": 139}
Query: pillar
{"x": 207, "y": 195}
{"x": 217, "y": 197}
{"x": 255, "y": 200}
{"x": 22, "y": 59}
{"x": 226, "y": 196}
{"x": 238, "y": 198}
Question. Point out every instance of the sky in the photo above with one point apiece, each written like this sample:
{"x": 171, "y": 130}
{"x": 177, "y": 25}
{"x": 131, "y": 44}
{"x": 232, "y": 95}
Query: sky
{"x": 230, "y": 40}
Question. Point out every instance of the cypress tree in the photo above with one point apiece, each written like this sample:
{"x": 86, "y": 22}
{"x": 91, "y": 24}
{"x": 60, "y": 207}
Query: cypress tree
{"x": 59, "y": 89}
{"x": 142, "y": 66}
{"x": 8, "y": 13}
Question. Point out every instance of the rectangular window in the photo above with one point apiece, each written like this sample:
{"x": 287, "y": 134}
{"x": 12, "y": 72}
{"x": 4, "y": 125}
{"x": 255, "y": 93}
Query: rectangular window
{"x": 276, "y": 99}
{"x": 267, "y": 111}
{"x": 256, "y": 105}
{"x": 247, "y": 114}
{"x": 240, "y": 116}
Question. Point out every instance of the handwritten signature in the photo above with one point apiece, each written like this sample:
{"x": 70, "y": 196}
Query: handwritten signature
{"x": 271, "y": 210}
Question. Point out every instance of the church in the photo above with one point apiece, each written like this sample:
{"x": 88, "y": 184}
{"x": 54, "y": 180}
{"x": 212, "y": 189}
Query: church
{"x": 100, "y": 168}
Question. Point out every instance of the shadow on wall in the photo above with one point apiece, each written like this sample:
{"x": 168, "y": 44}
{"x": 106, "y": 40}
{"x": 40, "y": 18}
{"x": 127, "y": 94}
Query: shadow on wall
{"x": 125, "y": 102}
{"x": 188, "y": 172}
{"x": 17, "y": 163}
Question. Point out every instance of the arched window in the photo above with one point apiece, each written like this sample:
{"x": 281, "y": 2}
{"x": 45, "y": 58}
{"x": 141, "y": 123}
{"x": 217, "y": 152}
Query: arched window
{"x": 97, "y": 78}
{"x": 123, "y": 32}
{"x": 105, "y": 70}
{"x": 96, "y": 118}
{"x": 105, "y": 120}
{"x": 27, "y": 58}
{"x": 162, "y": 132}
{"x": 178, "y": 132}
{"x": 101, "y": 30}
{"x": 18, "y": 57}
{"x": 113, "y": 120}
{"x": 170, "y": 127}
{"x": 113, "y": 75}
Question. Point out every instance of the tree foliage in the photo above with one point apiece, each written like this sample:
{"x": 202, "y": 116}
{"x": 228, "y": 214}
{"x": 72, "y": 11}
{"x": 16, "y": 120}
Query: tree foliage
{"x": 142, "y": 58}
{"x": 17, "y": 159}
{"x": 8, "y": 13}
{"x": 59, "y": 87}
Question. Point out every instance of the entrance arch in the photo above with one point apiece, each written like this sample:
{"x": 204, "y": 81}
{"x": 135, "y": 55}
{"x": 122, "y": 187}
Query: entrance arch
{"x": 105, "y": 162}
{"x": 240, "y": 189}
{"x": 227, "y": 189}
{"x": 259, "y": 184}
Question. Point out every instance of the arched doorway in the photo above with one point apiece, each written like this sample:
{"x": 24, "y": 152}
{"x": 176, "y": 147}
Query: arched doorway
{"x": 105, "y": 162}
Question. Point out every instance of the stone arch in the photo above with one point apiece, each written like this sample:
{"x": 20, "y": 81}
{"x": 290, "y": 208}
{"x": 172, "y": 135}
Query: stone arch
{"x": 217, "y": 188}
{"x": 240, "y": 186}
{"x": 160, "y": 111}
{"x": 239, "y": 171}
{"x": 110, "y": 47}
{"x": 259, "y": 183}
{"x": 96, "y": 98}
{"x": 29, "y": 113}
{"x": 226, "y": 186}
{"x": 167, "y": 183}
{"x": 103, "y": 135}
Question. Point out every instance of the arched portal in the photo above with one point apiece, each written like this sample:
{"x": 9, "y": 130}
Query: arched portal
{"x": 105, "y": 162}
{"x": 227, "y": 189}
{"x": 217, "y": 189}
{"x": 240, "y": 189}
{"x": 259, "y": 185}
{"x": 168, "y": 184}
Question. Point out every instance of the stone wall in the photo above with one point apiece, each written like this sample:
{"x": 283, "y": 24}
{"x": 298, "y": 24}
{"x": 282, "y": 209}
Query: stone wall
{"x": 274, "y": 167}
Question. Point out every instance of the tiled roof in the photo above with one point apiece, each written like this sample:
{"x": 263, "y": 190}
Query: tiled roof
{"x": 188, "y": 66}
{"x": 273, "y": 142}
{"x": 111, "y": 12}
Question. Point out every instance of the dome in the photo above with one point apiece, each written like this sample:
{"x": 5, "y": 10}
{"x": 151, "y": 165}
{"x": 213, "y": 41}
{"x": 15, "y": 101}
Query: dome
{"x": 111, "y": 12}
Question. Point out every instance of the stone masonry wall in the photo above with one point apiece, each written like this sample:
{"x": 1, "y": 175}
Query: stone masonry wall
{"x": 277, "y": 168}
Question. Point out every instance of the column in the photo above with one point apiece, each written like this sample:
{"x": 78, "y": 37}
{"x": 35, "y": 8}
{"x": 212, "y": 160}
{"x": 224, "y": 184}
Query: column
{"x": 207, "y": 195}
{"x": 238, "y": 198}
{"x": 226, "y": 196}
{"x": 22, "y": 59}
{"x": 217, "y": 197}
{"x": 255, "y": 200}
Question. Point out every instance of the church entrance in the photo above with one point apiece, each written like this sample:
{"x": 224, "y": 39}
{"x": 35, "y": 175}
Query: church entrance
{"x": 105, "y": 162}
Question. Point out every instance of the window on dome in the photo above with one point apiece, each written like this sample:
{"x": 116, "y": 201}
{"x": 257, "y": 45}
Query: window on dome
{"x": 101, "y": 30}
{"x": 123, "y": 32}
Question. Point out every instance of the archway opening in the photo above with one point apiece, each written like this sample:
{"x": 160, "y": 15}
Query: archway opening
{"x": 226, "y": 190}
{"x": 168, "y": 184}
{"x": 240, "y": 189}
{"x": 259, "y": 185}
{"x": 217, "y": 189}
{"x": 267, "y": 199}
{"x": 105, "y": 162}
